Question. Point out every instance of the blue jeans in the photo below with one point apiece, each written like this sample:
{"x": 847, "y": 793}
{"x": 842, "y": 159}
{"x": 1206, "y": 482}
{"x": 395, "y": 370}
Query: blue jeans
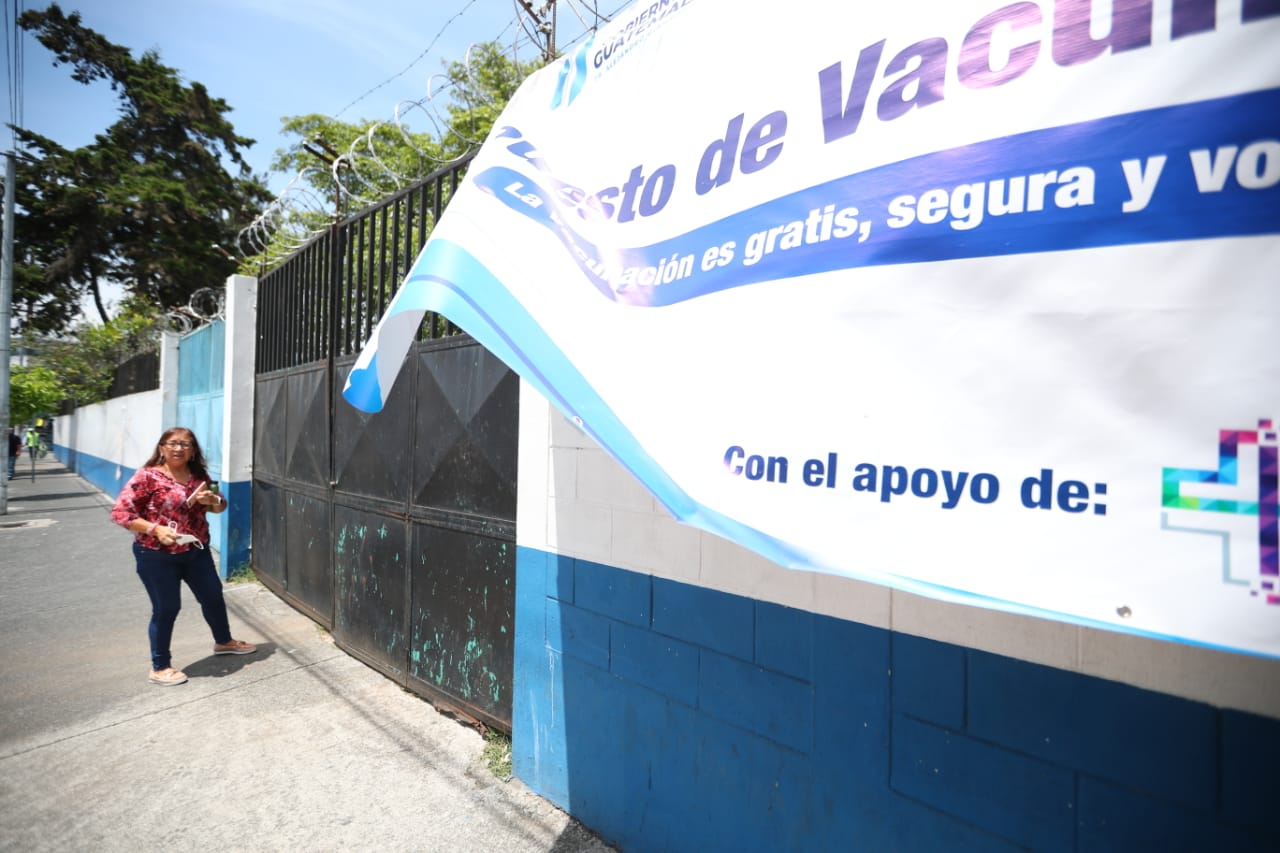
{"x": 163, "y": 575}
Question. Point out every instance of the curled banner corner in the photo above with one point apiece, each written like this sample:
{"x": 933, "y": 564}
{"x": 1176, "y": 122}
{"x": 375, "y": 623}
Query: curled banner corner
{"x": 362, "y": 390}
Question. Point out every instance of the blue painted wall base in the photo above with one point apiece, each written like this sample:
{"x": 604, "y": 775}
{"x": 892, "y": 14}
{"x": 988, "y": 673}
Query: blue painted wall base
{"x": 234, "y": 527}
{"x": 671, "y": 717}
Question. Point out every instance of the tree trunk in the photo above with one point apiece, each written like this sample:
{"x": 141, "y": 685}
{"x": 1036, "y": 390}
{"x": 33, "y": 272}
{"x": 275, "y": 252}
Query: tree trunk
{"x": 97, "y": 299}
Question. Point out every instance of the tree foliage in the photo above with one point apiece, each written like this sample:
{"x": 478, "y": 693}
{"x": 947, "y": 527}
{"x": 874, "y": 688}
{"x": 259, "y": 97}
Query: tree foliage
{"x": 376, "y": 158}
{"x": 33, "y": 391}
{"x": 85, "y": 359}
{"x": 146, "y": 205}
{"x": 341, "y": 168}
{"x": 478, "y": 91}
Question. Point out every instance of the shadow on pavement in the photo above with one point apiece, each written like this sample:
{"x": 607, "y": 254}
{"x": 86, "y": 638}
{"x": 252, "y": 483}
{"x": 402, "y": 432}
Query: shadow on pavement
{"x": 54, "y": 496}
{"x": 219, "y": 666}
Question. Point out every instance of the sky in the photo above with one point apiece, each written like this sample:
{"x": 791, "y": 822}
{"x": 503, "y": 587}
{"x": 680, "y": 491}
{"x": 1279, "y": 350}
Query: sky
{"x": 351, "y": 59}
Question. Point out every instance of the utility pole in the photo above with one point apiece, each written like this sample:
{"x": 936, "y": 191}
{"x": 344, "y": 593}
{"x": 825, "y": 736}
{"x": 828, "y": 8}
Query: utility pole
{"x": 545, "y": 26}
{"x": 6, "y": 303}
{"x": 321, "y": 150}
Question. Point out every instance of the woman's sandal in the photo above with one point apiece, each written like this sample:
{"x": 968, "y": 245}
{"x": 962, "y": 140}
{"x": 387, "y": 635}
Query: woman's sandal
{"x": 235, "y": 647}
{"x": 168, "y": 677}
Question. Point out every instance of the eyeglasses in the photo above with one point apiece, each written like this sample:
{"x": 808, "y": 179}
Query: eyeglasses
{"x": 178, "y": 444}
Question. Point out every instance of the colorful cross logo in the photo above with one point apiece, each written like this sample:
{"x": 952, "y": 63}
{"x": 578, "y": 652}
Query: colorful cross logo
{"x": 1224, "y": 492}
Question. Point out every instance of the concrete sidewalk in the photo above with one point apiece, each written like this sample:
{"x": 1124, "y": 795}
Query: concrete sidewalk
{"x": 298, "y": 747}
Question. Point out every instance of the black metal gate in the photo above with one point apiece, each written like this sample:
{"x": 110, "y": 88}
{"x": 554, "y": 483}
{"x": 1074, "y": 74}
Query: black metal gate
{"x": 395, "y": 530}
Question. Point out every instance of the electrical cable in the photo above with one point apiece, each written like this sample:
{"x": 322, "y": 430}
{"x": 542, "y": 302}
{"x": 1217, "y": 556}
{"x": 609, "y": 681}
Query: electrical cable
{"x": 10, "y": 24}
{"x": 20, "y": 67}
{"x": 282, "y": 227}
{"x": 416, "y": 60}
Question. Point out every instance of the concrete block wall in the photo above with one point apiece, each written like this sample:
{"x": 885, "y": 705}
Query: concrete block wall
{"x": 676, "y": 692}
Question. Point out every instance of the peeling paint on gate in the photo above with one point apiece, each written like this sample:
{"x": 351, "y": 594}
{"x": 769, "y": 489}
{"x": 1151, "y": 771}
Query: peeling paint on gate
{"x": 371, "y": 585}
{"x": 396, "y": 531}
{"x": 461, "y": 636}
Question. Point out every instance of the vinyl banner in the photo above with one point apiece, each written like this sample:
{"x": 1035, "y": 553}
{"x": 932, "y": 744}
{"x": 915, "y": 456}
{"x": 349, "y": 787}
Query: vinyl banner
{"x": 976, "y": 299}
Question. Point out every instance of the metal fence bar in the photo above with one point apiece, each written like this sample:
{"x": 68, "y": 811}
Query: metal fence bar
{"x": 139, "y": 373}
{"x": 446, "y": 495}
{"x": 325, "y": 299}
{"x": 398, "y": 268}
{"x": 385, "y": 288}
{"x": 289, "y": 302}
{"x": 334, "y": 257}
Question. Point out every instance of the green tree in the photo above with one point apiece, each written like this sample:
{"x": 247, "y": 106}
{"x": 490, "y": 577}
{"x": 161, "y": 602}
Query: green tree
{"x": 147, "y": 205}
{"x": 85, "y": 359}
{"x": 376, "y": 158}
{"x": 478, "y": 93}
{"x": 33, "y": 391}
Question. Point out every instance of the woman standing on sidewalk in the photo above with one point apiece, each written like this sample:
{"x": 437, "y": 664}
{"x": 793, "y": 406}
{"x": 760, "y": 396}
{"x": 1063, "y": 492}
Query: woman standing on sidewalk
{"x": 164, "y": 505}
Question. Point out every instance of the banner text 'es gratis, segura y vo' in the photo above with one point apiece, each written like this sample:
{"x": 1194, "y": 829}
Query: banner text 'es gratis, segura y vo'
{"x": 976, "y": 300}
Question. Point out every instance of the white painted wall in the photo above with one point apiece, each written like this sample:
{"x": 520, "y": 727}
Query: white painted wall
{"x": 241, "y": 313}
{"x": 574, "y": 499}
{"x": 169, "y": 346}
{"x": 123, "y": 430}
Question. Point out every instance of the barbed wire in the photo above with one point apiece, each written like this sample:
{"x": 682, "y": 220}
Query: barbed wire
{"x": 359, "y": 175}
{"x": 417, "y": 59}
{"x": 203, "y": 306}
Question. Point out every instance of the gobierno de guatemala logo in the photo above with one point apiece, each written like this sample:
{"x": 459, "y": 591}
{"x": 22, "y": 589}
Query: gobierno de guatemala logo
{"x": 613, "y": 44}
{"x": 1237, "y": 504}
{"x": 573, "y": 76}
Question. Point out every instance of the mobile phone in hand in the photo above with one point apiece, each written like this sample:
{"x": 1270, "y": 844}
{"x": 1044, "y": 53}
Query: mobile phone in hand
{"x": 212, "y": 487}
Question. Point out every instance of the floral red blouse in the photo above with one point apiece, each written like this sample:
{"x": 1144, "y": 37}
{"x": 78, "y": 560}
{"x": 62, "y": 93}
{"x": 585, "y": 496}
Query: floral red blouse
{"x": 154, "y": 495}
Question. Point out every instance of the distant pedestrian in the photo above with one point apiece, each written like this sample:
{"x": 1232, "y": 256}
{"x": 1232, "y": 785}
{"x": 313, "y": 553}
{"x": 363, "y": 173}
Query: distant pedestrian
{"x": 15, "y": 450}
{"x": 33, "y": 442}
{"x": 164, "y": 506}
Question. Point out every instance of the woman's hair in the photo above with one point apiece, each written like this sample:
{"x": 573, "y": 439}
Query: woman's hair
{"x": 195, "y": 463}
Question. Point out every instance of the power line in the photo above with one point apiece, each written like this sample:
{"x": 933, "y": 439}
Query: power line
{"x": 8, "y": 61}
{"x": 13, "y": 63}
{"x": 19, "y": 86}
{"x": 544, "y": 35}
{"x": 22, "y": 74}
{"x": 418, "y": 59}
{"x": 277, "y": 232}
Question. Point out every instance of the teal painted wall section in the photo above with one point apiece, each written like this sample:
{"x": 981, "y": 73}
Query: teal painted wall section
{"x": 201, "y": 360}
{"x": 667, "y": 716}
